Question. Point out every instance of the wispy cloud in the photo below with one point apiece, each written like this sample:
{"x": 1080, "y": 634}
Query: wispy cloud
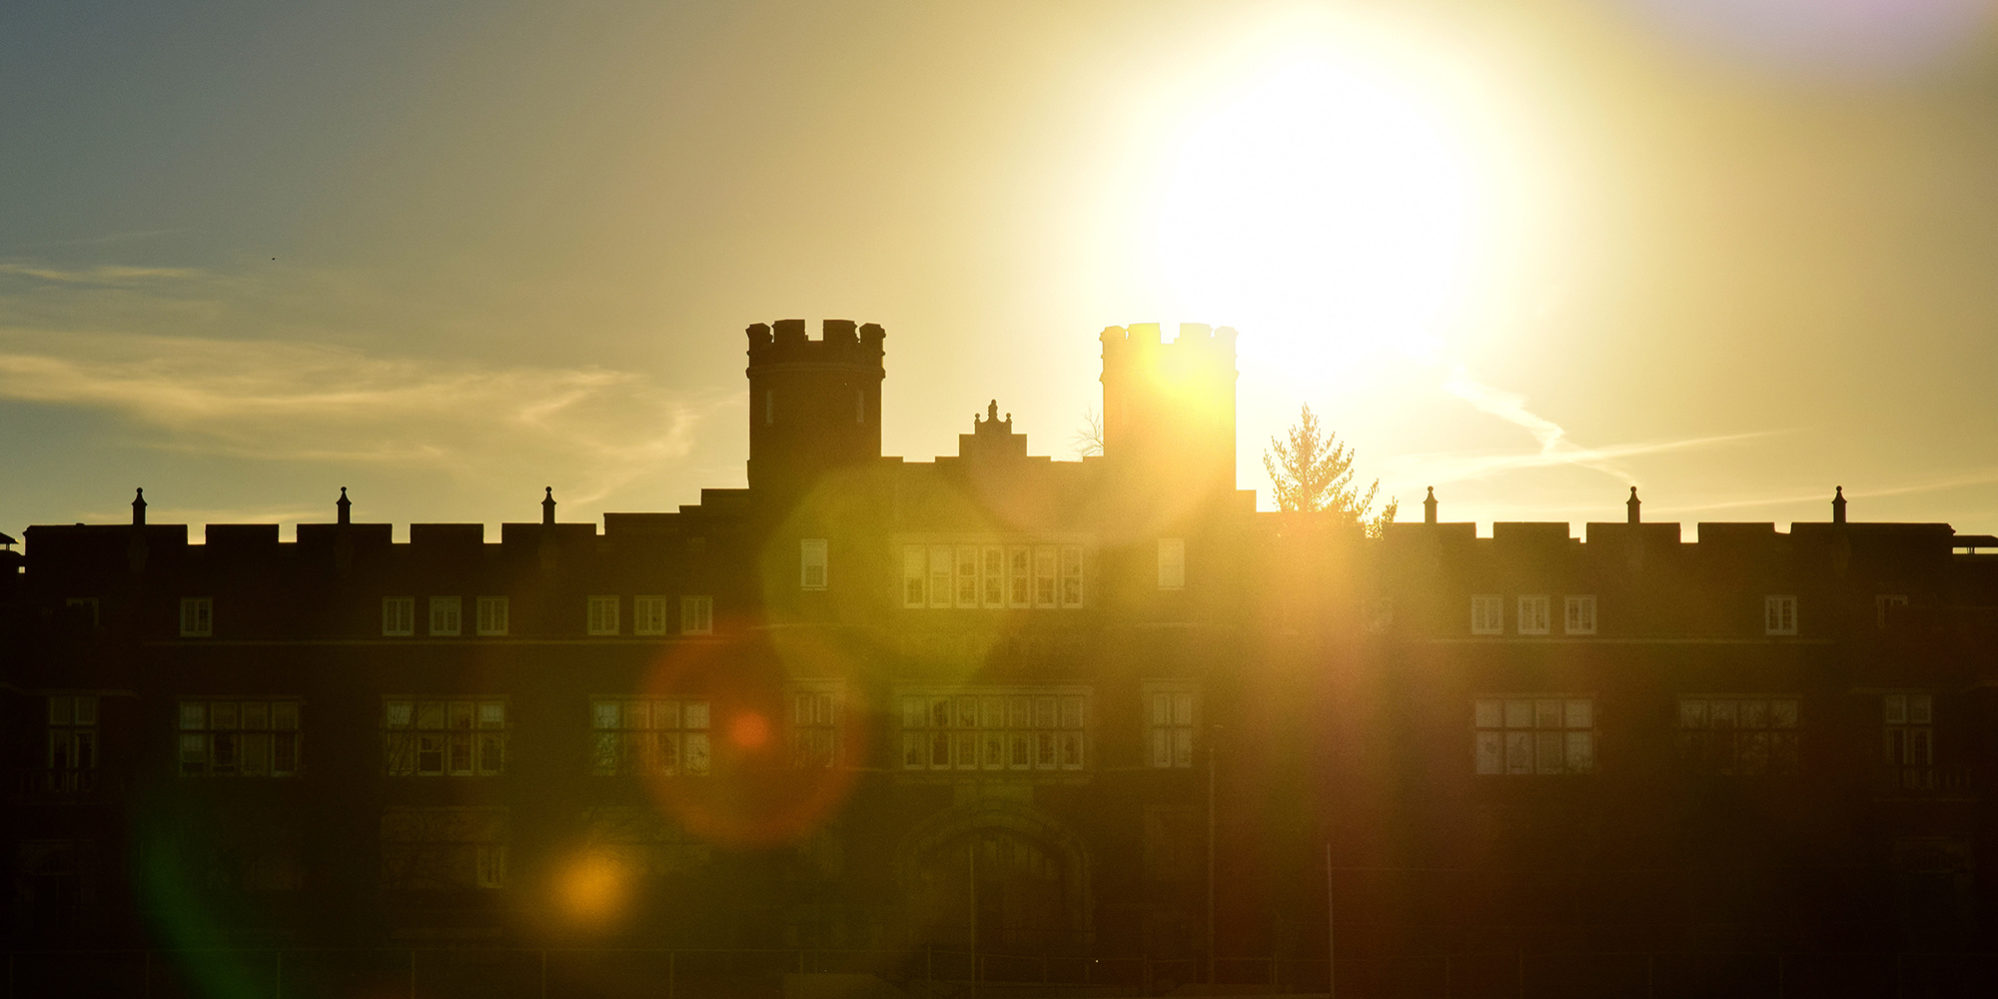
{"x": 1978, "y": 477}
{"x": 101, "y": 274}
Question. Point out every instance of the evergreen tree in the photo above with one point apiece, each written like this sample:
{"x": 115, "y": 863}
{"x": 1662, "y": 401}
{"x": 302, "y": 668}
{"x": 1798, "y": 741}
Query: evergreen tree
{"x": 1311, "y": 470}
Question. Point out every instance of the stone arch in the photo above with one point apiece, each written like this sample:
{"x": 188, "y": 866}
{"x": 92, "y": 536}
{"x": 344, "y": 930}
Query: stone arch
{"x": 1034, "y": 878}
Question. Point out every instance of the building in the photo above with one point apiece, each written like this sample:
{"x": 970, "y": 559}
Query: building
{"x": 1095, "y": 721}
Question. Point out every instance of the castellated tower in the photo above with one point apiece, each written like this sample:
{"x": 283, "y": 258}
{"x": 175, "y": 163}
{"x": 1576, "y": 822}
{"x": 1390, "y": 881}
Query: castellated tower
{"x": 814, "y": 405}
{"x": 1169, "y": 408}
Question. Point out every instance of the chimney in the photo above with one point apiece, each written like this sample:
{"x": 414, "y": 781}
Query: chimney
{"x": 548, "y": 506}
{"x": 1838, "y": 505}
{"x": 139, "y": 508}
{"x": 1429, "y": 507}
{"x": 1631, "y": 505}
{"x": 344, "y": 505}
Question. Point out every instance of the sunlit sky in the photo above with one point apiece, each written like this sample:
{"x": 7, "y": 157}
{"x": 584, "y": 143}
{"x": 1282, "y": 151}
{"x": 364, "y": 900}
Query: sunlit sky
{"x": 1734, "y": 253}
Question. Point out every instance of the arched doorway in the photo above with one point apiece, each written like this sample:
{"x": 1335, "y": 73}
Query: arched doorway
{"x": 1013, "y": 874}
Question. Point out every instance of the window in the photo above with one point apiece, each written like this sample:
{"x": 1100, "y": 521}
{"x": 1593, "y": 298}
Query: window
{"x": 602, "y": 618}
{"x": 993, "y": 576}
{"x": 648, "y": 615}
{"x": 72, "y": 756}
{"x": 458, "y": 738}
{"x": 652, "y": 736}
{"x": 993, "y": 729}
{"x": 1884, "y": 607}
{"x": 82, "y": 613}
{"x": 1739, "y": 736}
{"x": 814, "y": 734}
{"x": 1487, "y": 614}
{"x": 915, "y": 576}
{"x": 492, "y": 615}
{"x": 446, "y": 615}
{"x": 197, "y": 617}
{"x": 1169, "y": 724}
{"x": 1172, "y": 563}
{"x": 238, "y": 738}
{"x": 1581, "y": 615}
{"x": 444, "y": 849}
{"x": 697, "y": 615}
{"x": 1533, "y": 613}
{"x": 398, "y": 616}
{"x": 643, "y": 842}
{"x": 812, "y": 564}
{"x": 992, "y": 562}
{"x": 1534, "y": 735}
{"x": 1908, "y": 725}
{"x": 1779, "y": 615}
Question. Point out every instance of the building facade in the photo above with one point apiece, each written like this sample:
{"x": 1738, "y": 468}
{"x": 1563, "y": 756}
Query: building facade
{"x": 1101, "y": 719}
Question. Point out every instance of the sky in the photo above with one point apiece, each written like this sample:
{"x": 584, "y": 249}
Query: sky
{"x": 1733, "y": 253}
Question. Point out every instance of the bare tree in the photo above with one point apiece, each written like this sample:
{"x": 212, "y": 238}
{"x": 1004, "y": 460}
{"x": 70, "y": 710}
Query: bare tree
{"x": 1088, "y": 438}
{"x": 1310, "y": 470}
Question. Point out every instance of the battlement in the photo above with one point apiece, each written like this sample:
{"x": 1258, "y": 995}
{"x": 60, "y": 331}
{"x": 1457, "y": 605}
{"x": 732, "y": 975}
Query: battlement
{"x": 841, "y": 341}
{"x": 1192, "y": 337}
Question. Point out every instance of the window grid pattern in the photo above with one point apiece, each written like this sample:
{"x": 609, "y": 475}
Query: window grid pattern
{"x": 197, "y": 617}
{"x": 1739, "y": 736}
{"x": 398, "y": 616}
{"x": 992, "y": 576}
{"x": 1169, "y": 726}
{"x": 1172, "y": 563}
{"x": 1579, "y": 617}
{"x": 649, "y": 736}
{"x": 1533, "y": 614}
{"x": 1487, "y": 614}
{"x": 493, "y": 614}
{"x": 239, "y": 738}
{"x": 697, "y": 615}
{"x": 72, "y": 743}
{"x": 602, "y": 616}
{"x": 814, "y": 734}
{"x": 812, "y": 564}
{"x": 446, "y": 615}
{"x": 1779, "y": 615}
{"x": 648, "y": 614}
{"x": 993, "y": 731}
{"x": 457, "y": 738}
{"x": 1908, "y": 738}
{"x": 1534, "y": 735}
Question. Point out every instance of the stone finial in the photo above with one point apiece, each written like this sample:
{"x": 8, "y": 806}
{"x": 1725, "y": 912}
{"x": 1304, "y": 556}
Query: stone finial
{"x": 139, "y": 508}
{"x": 1838, "y": 505}
{"x": 1429, "y": 506}
{"x": 1631, "y": 505}
{"x": 548, "y": 505}
{"x": 345, "y": 506}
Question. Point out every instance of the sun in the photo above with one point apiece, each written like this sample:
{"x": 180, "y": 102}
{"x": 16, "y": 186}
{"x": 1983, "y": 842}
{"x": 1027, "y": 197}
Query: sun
{"x": 1324, "y": 202}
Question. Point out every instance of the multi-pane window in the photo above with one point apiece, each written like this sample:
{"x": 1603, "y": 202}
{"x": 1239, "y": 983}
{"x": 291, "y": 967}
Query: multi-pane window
{"x": 1885, "y": 605}
{"x": 72, "y": 756}
{"x": 1779, "y": 615}
{"x": 1580, "y": 618}
{"x": 1172, "y": 563}
{"x": 812, "y": 564}
{"x": 602, "y": 616}
{"x": 697, "y": 615}
{"x": 814, "y": 732}
{"x": 1908, "y": 728}
{"x": 444, "y": 849}
{"x": 459, "y": 738}
{"x": 446, "y": 615}
{"x": 1487, "y": 614}
{"x": 648, "y": 614}
{"x": 1533, "y": 614}
{"x": 994, "y": 730}
{"x": 1169, "y": 724}
{"x": 1739, "y": 736}
{"x": 1534, "y": 735}
{"x": 648, "y": 736}
{"x": 398, "y": 616}
{"x": 197, "y": 617}
{"x": 239, "y": 738}
{"x": 492, "y": 615}
{"x": 992, "y": 576}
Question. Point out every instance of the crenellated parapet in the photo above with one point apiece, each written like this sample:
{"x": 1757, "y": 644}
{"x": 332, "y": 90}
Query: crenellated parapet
{"x": 841, "y": 341}
{"x": 814, "y": 405}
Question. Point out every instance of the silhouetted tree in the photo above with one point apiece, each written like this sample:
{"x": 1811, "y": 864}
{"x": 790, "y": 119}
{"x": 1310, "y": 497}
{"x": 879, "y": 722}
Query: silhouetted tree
{"x": 1310, "y": 471}
{"x": 1088, "y": 438}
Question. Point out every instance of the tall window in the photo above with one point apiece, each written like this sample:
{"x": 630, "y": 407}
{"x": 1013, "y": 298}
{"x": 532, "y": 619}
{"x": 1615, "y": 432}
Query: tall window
{"x": 1487, "y": 614}
{"x": 1739, "y": 736}
{"x": 239, "y": 738}
{"x": 814, "y": 733}
{"x": 697, "y": 615}
{"x": 1533, "y": 614}
{"x": 812, "y": 564}
{"x": 398, "y": 616}
{"x": 197, "y": 617}
{"x": 1534, "y": 735}
{"x": 1779, "y": 615}
{"x": 648, "y": 615}
{"x": 493, "y": 615}
{"x": 446, "y": 615}
{"x": 992, "y": 577}
{"x": 602, "y": 617}
{"x": 993, "y": 730}
{"x": 1169, "y": 724}
{"x": 1172, "y": 563}
{"x": 1908, "y": 725}
{"x": 72, "y": 756}
{"x": 1885, "y": 605}
{"x": 648, "y": 736}
{"x": 458, "y": 738}
{"x": 1580, "y": 616}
